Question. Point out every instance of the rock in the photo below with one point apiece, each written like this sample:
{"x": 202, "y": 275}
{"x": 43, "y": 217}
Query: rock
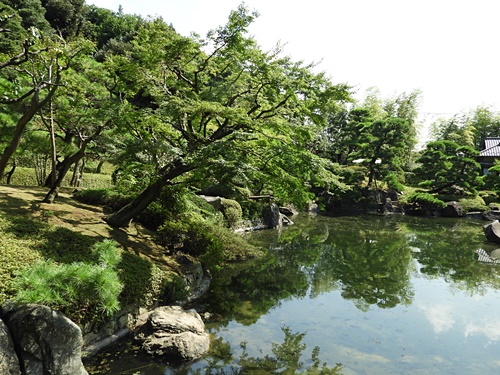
{"x": 495, "y": 254}
{"x": 9, "y": 364}
{"x": 288, "y": 211}
{"x": 475, "y": 215}
{"x": 174, "y": 333}
{"x": 453, "y": 209}
{"x": 391, "y": 206}
{"x": 491, "y": 215}
{"x": 493, "y": 207}
{"x": 492, "y": 232}
{"x": 215, "y": 202}
{"x": 47, "y": 342}
{"x": 285, "y": 220}
{"x": 271, "y": 216}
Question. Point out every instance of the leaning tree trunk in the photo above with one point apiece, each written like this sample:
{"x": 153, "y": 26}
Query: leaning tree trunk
{"x": 99, "y": 167}
{"x": 18, "y": 132}
{"x": 11, "y": 172}
{"x": 54, "y": 189}
{"x": 33, "y": 108}
{"x": 124, "y": 216}
{"x": 63, "y": 170}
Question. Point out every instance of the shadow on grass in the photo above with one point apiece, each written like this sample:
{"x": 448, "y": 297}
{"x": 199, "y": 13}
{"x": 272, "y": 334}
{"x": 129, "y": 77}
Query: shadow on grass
{"x": 10, "y": 203}
{"x": 59, "y": 244}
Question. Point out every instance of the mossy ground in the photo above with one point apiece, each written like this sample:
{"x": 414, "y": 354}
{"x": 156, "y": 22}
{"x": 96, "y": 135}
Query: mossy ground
{"x": 63, "y": 231}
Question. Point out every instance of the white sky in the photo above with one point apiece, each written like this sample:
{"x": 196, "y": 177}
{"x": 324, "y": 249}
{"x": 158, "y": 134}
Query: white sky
{"x": 449, "y": 49}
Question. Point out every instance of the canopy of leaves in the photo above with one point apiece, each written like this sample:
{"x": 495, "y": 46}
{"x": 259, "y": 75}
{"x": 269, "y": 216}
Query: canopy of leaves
{"x": 445, "y": 163}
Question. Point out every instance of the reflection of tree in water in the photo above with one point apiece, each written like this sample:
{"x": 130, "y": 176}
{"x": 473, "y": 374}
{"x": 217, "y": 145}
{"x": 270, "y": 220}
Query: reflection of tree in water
{"x": 285, "y": 359}
{"x": 446, "y": 248}
{"x": 368, "y": 259}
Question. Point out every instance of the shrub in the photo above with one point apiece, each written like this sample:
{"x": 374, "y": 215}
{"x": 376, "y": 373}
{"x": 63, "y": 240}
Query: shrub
{"x": 211, "y": 242}
{"x": 489, "y": 196}
{"x": 84, "y": 292}
{"x": 102, "y": 197}
{"x": 393, "y": 182}
{"x": 422, "y": 198}
{"x": 175, "y": 289}
{"x": 473, "y": 203}
{"x": 27, "y": 177}
{"x": 232, "y": 212}
{"x": 142, "y": 281}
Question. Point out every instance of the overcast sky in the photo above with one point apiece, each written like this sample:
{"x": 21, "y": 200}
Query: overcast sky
{"x": 449, "y": 49}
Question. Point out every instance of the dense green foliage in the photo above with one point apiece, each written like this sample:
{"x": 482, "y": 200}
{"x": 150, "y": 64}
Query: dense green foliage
{"x": 81, "y": 290}
{"x": 201, "y": 111}
{"x": 173, "y": 115}
{"x": 445, "y": 164}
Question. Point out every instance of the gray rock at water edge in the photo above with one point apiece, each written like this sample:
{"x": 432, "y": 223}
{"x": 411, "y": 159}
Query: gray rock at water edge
{"x": 453, "y": 209}
{"x": 47, "y": 341}
{"x": 495, "y": 254}
{"x": 288, "y": 211}
{"x": 9, "y": 364}
{"x": 492, "y": 231}
{"x": 175, "y": 334}
{"x": 491, "y": 215}
{"x": 271, "y": 216}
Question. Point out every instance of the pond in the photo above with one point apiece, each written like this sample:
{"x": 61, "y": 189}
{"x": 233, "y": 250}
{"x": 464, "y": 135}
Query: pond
{"x": 351, "y": 295}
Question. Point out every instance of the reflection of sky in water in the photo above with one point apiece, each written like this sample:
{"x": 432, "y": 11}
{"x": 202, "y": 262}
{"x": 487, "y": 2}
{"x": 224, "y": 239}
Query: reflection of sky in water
{"x": 470, "y": 315}
{"x": 443, "y": 331}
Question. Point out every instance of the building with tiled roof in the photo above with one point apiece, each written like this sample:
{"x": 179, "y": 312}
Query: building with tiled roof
{"x": 490, "y": 153}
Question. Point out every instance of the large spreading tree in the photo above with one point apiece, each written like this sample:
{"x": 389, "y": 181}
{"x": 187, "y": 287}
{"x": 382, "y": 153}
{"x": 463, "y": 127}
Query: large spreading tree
{"x": 217, "y": 101}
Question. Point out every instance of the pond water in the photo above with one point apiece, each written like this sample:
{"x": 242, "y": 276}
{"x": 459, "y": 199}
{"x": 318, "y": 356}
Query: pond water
{"x": 350, "y": 295}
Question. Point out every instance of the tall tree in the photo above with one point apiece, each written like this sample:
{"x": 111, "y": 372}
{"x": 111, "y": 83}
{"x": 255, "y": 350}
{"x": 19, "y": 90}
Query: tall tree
{"x": 468, "y": 128}
{"x": 78, "y": 114}
{"x": 383, "y": 145}
{"x": 65, "y": 16}
{"x": 40, "y": 74}
{"x": 445, "y": 164}
{"x": 207, "y": 99}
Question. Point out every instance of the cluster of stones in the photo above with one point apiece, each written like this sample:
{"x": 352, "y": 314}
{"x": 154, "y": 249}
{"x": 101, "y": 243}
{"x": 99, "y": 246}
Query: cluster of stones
{"x": 35, "y": 339}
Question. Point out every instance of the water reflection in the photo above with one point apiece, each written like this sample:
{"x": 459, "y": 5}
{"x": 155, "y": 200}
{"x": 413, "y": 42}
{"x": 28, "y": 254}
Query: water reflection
{"x": 370, "y": 262}
{"x": 377, "y": 294}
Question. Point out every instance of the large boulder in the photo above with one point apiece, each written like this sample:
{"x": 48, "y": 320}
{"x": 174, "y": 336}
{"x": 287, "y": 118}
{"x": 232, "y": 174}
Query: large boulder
{"x": 453, "y": 209}
{"x": 174, "y": 334}
{"x": 47, "y": 342}
{"x": 492, "y": 231}
{"x": 271, "y": 216}
{"x": 9, "y": 364}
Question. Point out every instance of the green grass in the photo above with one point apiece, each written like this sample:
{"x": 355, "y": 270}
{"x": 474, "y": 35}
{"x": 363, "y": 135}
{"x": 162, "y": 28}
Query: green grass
{"x": 16, "y": 254}
{"x": 27, "y": 177}
{"x": 61, "y": 268}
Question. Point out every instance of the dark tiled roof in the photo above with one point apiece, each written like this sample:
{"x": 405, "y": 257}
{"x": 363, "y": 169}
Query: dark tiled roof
{"x": 491, "y": 147}
{"x": 490, "y": 142}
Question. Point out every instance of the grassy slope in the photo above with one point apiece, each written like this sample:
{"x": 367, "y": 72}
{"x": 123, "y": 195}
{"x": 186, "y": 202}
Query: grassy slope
{"x": 63, "y": 231}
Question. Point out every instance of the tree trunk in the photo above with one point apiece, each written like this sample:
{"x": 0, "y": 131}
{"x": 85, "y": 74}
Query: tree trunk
{"x": 78, "y": 173}
{"x": 63, "y": 169}
{"x": 124, "y": 216}
{"x": 440, "y": 188}
{"x": 75, "y": 178}
{"x": 54, "y": 188}
{"x": 33, "y": 108}
{"x": 11, "y": 172}
{"x": 99, "y": 167}
{"x": 18, "y": 132}
{"x": 53, "y": 156}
